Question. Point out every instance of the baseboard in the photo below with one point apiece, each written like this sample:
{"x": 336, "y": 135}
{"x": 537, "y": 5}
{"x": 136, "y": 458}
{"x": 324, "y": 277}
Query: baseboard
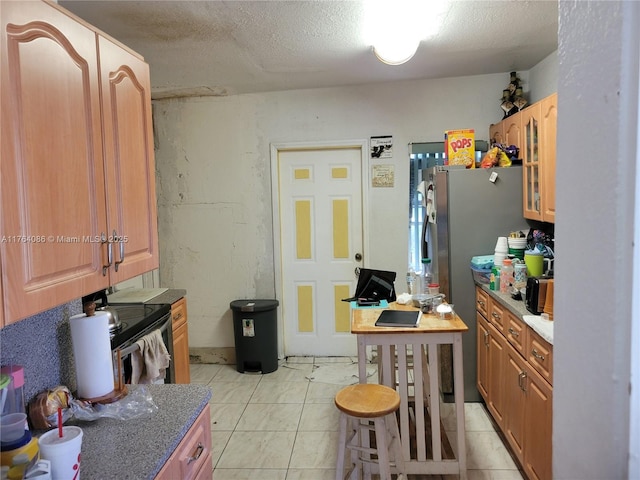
{"x": 215, "y": 355}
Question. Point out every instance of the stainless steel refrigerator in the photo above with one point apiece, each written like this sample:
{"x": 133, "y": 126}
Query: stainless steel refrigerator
{"x": 472, "y": 209}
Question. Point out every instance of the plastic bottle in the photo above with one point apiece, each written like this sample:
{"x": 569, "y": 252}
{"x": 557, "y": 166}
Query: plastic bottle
{"x": 427, "y": 276}
{"x": 494, "y": 279}
{"x": 506, "y": 276}
{"x": 410, "y": 281}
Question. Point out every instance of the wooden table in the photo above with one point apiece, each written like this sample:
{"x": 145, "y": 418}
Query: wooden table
{"x": 425, "y": 446}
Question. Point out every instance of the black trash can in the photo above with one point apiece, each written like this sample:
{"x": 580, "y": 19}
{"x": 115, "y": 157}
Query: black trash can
{"x": 256, "y": 335}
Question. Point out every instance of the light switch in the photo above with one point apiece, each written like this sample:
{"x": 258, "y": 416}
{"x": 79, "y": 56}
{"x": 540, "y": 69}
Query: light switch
{"x": 493, "y": 177}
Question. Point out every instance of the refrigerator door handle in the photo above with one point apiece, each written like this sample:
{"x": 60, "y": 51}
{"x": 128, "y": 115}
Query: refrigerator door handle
{"x": 424, "y": 244}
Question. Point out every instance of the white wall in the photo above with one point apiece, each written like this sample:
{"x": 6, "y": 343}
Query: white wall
{"x": 597, "y": 144}
{"x": 214, "y": 189}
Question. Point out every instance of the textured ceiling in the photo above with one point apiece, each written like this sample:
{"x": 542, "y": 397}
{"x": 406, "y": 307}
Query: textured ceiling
{"x": 230, "y": 47}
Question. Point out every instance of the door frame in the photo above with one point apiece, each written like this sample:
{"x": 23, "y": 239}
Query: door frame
{"x": 276, "y": 148}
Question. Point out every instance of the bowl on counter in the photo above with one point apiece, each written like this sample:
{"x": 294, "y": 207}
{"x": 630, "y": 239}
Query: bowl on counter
{"x": 12, "y": 426}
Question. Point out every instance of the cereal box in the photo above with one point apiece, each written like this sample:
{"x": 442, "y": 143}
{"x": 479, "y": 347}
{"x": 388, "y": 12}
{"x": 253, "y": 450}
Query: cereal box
{"x": 460, "y": 148}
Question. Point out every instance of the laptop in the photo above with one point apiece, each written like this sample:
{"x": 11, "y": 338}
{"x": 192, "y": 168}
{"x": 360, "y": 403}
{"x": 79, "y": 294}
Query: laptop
{"x": 374, "y": 285}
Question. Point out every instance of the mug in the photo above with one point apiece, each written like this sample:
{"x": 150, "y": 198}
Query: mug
{"x": 534, "y": 262}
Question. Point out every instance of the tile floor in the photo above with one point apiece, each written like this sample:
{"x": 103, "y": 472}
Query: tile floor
{"x": 282, "y": 426}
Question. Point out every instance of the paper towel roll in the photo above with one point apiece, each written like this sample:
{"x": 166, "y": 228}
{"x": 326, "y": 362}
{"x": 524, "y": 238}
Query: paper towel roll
{"x": 92, "y": 351}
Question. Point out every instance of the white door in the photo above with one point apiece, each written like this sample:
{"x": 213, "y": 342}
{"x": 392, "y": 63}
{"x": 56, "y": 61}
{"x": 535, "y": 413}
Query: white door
{"x": 320, "y": 229}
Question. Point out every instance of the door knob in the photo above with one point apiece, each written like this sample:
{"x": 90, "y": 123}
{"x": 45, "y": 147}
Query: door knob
{"x": 358, "y": 257}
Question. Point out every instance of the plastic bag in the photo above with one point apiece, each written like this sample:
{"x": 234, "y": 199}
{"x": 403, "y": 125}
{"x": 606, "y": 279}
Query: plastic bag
{"x": 490, "y": 158}
{"x": 137, "y": 403}
{"x": 44, "y": 413}
{"x": 496, "y": 157}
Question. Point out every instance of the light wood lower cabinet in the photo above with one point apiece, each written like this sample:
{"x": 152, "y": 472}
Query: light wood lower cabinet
{"x": 191, "y": 460}
{"x": 515, "y": 380}
{"x": 491, "y": 347}
{"x": 180, "y": 341}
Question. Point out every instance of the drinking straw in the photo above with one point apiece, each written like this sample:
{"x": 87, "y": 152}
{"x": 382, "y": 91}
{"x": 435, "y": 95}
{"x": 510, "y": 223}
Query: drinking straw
{"x": 60, "y": 422}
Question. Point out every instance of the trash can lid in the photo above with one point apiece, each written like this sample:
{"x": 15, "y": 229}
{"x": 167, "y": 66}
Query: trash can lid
{"x": 253, "y": 305}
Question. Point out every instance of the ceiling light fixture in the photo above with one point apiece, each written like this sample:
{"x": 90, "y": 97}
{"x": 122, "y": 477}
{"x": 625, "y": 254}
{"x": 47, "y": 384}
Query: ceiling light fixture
{"x": 396, "y": 51}
{"x": 395, "y": 28}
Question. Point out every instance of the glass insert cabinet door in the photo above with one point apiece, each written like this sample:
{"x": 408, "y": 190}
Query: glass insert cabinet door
{"x": 531, "y": 162}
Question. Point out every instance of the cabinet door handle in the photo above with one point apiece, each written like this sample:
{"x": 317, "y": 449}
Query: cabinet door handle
{"x": 535, "y": 353}
{"x": 197, "y": 453}
{"x": 521, "y": 380}
{"x": 481, "y": 303}
{"x": 495, "y": 315}
{"x": 513, "y": 332}
{"x": 486, "y": 339}
{"x": 103, "y": 240}
{"x": 115, "y": 235}
{"x": 178, "y": 316}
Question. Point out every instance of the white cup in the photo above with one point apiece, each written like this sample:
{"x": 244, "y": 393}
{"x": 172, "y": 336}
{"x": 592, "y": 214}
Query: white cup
{"x": 63, "y": 452}
{"x": 502, "y": 246}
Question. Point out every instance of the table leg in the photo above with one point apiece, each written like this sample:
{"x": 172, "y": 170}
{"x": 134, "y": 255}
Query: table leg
{"x": 362, "y": 360}
{"x": 434, "y": 401}
{"x": 459, "y": 401}
{"x": 403, "y": 390}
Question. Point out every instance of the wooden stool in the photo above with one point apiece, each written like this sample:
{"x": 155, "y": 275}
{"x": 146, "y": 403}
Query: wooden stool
{"x": 359, "y": 404}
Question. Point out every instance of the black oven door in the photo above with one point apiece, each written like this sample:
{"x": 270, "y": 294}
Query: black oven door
{"x": 165, "y": 326}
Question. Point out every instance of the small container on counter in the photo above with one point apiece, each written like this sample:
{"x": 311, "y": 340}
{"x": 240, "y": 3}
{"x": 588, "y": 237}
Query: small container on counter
{"x": 13, "y": 393}
{"x": 520, "y": 275}
{"x": 506, "y": 276}
{"x": 494, "y": 278}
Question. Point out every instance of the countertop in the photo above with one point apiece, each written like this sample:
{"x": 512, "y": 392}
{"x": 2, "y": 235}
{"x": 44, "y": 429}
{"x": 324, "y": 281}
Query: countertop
{"x": 137, "y": 449}
{"x": 518, "y": 308}
{"x": 171, "y": 296}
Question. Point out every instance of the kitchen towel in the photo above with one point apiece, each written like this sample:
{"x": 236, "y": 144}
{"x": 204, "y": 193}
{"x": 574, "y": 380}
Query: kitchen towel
{"x": 92, "y": 352}
{"x": 150, "y": 362}
{"x": 542, "y": 327}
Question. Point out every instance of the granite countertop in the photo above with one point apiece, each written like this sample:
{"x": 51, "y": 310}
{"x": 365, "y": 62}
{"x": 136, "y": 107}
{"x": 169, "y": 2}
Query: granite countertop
{"x": 543, "y": 328}
{"x": 137, "y": 449}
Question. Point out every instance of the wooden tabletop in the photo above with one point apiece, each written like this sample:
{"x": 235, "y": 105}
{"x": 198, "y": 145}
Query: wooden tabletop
{"x": 363, "y": 321}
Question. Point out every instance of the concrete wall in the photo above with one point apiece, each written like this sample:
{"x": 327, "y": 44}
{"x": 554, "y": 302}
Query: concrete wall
{"x": 214, "y": 188}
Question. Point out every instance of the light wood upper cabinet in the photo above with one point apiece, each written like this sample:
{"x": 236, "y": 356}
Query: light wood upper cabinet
{"x": 548, "y": 130}
{"x": 533, "y": 131}
{"x": 496, "y": 133}
{"x": 512, "y": 130}
{"x": 530, "y": 153}
{"x": 539, "y": 123}
{"x": 64, "y": 187}
{"x": 508, "y": 131}
{"x": 129, "y": 161}
{"x": 52, "y": 168}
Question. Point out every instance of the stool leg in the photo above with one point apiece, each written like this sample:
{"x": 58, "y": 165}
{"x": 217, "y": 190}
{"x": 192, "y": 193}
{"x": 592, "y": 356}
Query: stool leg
{"x": 395, "y": 445}
{"x": 342, "y": 445}
{"x": 382, "y": 448}
{"x": 357, "y": 468}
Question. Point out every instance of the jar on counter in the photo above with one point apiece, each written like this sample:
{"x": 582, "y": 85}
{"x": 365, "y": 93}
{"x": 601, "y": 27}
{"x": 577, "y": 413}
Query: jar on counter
{"x": 520, "y": 275}
{"x": 506, "y": 276}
